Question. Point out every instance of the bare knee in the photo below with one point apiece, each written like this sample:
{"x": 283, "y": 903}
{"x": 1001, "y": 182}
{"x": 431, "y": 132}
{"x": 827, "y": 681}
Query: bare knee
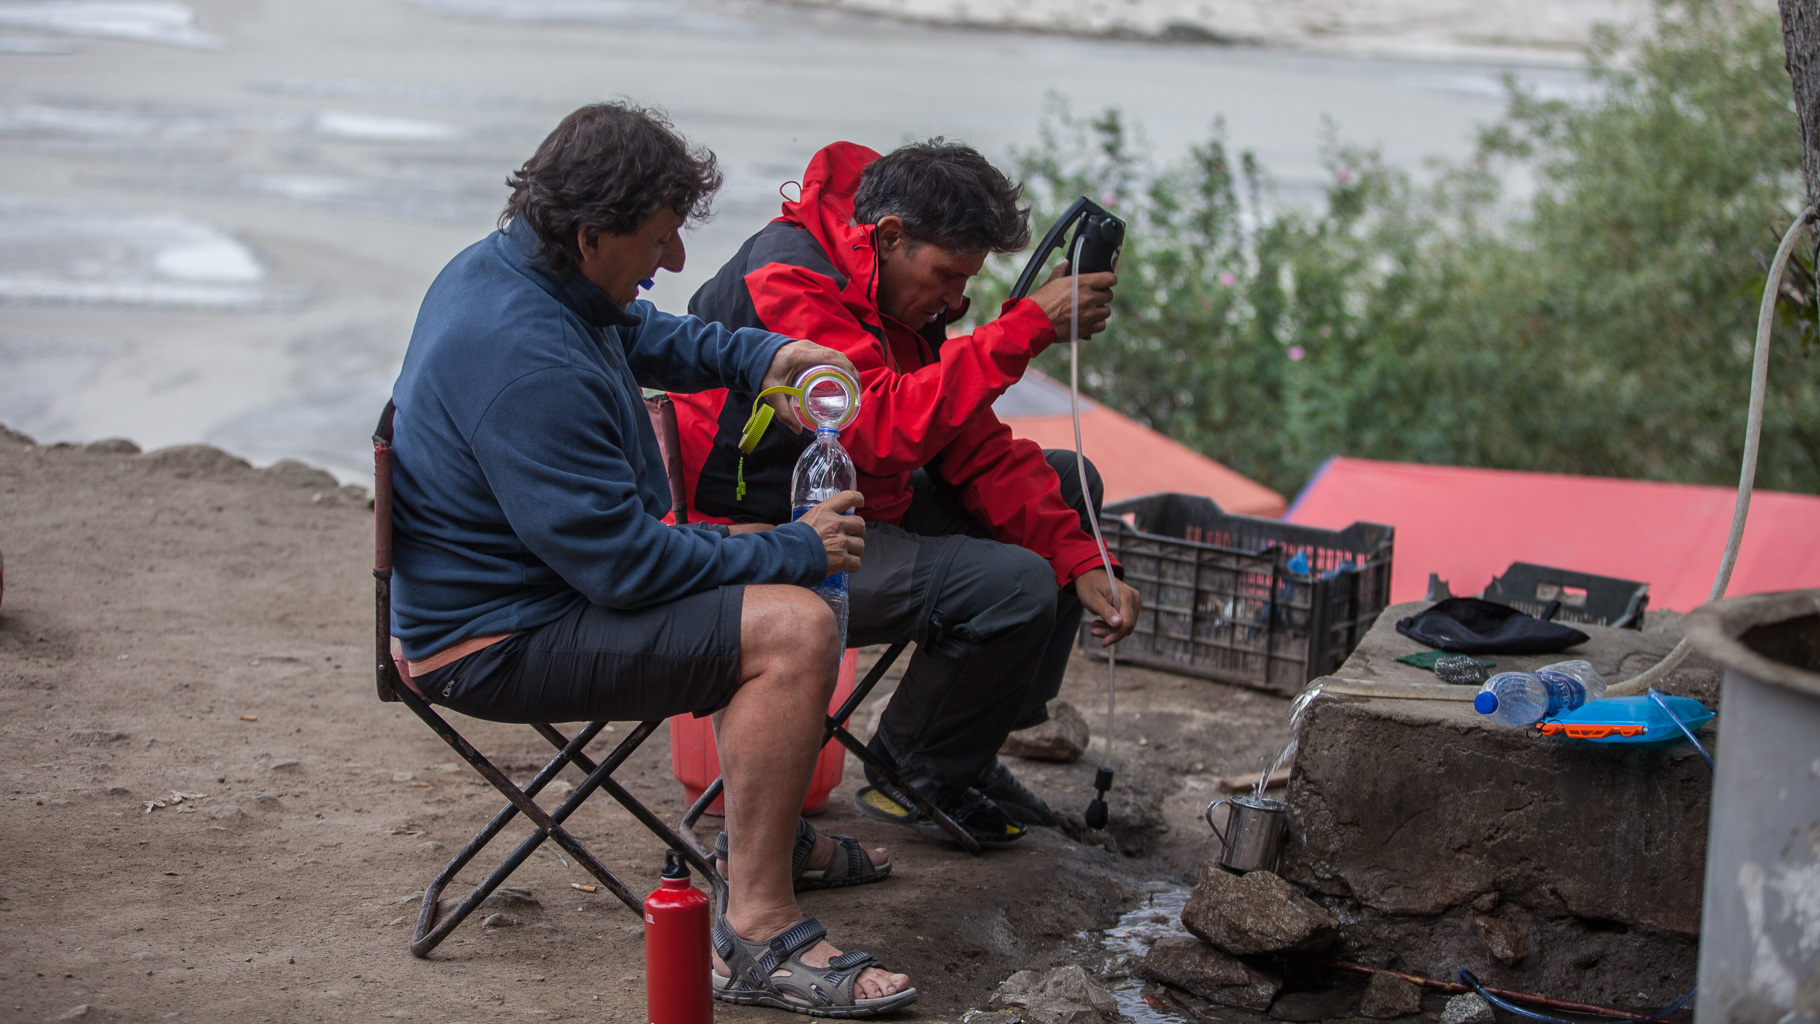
{"x": 789, "y": 630}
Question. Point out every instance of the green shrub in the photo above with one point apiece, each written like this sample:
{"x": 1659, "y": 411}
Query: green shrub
{"x": 1603, "y": 329}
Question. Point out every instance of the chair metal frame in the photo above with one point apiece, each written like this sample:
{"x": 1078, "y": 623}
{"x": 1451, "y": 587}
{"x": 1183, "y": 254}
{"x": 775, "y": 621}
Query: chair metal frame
{"x": 395, "y": 685}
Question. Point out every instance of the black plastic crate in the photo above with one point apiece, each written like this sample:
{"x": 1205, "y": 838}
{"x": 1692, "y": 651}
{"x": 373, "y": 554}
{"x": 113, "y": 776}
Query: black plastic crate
{"x": 1583, "y": 597}
{"x": 1258, "y": 602}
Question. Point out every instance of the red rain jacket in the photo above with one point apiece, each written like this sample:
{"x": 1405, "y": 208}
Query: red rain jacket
{"x": 926, "y": 402}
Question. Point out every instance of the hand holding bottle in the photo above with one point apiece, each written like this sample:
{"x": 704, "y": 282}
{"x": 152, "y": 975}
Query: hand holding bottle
{"x": 842, "y": 534}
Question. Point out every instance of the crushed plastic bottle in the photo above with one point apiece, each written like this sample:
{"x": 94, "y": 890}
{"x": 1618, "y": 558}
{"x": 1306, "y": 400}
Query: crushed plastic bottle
{"x": 822, "y": 471}
{"x": 1525, "y": 698}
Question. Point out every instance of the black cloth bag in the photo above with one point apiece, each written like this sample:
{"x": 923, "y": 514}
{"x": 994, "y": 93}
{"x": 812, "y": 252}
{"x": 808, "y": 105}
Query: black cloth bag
{"x": 1471, "y": 626}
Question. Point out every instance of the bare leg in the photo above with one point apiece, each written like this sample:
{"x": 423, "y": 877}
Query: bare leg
{"x": 769, "y": 736}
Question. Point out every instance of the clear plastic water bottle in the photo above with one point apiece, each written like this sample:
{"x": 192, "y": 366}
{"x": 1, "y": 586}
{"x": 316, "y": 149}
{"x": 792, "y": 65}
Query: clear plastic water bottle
{"x": 822, "y": 471}
{"x": 1525, "y": 698}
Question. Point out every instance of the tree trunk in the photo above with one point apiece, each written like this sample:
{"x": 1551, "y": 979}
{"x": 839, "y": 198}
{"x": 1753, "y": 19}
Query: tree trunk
{"x": 1801, "y": 41}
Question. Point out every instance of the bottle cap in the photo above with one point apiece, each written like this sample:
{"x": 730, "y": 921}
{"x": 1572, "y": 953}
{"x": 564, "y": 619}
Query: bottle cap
{"x": 1485, "y": 703}
{"x": 674, "y": 865}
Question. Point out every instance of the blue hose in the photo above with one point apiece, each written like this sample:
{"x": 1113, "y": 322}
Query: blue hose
{"x": 1471, "y": 981}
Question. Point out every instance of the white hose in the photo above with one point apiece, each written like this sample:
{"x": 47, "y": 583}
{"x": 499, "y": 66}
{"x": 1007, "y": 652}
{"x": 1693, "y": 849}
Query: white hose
{"x": 1080, "y": 466}
{"x": 1747, "y": 476}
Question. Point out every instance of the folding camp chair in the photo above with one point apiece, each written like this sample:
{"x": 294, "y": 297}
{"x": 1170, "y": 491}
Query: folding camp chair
{"x": 395, "y": 684}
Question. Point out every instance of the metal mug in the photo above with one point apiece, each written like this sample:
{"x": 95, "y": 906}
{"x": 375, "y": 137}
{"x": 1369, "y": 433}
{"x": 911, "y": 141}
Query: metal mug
{"x": 1253, "y": 839}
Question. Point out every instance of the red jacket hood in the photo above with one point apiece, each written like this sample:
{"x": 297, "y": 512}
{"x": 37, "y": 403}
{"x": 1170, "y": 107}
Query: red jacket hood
{"x": 825, "y": 208}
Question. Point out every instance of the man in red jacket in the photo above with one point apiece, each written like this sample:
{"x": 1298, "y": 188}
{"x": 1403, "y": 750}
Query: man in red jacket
{"x": 977, "y": 544}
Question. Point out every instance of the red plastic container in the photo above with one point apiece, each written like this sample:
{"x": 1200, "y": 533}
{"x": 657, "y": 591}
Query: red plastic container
{"x": 696, "y": 763}
{"x": 676, "y": 950}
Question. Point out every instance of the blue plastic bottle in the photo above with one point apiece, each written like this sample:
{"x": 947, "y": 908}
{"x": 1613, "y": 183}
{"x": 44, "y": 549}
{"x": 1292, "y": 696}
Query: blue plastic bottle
{"x": 1525, "y": 698}
{"x": 822, "y": 471}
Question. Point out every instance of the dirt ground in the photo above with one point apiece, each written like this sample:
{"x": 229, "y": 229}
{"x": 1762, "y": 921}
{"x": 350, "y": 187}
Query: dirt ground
{"x": 179, "y": 623}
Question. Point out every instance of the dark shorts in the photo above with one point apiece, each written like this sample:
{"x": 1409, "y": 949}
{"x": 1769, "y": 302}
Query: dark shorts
{"x": 602, "y": 664}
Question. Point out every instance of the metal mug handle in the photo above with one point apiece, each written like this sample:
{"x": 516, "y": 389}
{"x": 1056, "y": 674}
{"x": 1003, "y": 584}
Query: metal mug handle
{"x": 1208, "y": 815}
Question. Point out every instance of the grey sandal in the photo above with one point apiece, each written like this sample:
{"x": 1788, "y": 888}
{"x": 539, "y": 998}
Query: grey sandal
{"x": 816, "y": 991}
{"x": 849, "y": 864}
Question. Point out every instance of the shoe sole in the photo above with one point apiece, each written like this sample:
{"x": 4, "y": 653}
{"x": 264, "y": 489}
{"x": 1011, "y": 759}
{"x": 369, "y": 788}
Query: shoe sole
{"x": 874, "y": 804}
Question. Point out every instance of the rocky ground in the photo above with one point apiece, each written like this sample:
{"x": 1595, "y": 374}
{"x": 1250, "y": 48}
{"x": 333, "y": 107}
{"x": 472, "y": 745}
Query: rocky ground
{"x": 208, "y": 815}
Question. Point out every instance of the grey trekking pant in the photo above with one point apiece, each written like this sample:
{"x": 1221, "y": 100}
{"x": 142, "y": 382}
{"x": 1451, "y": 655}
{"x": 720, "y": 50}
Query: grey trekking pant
{"x": 992, "y": 631}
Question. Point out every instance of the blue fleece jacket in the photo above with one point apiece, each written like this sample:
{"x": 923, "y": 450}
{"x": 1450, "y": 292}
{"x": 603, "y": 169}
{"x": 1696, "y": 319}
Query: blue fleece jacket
{"x": 527, "y": 477}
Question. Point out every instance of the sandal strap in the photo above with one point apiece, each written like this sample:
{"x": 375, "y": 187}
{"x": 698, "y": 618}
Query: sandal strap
{"x": 752, "y": 964}
{"x": 765, "y": 956}
{"x": 799, "y": 855}
{"x": 852, "y": 958}
{"x": 805, "y": 845}
{"x": 785, "y": 945}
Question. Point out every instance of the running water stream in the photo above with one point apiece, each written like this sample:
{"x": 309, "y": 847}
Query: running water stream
{"x": 1125, "y": 945}
{"x": 1296, "y": 710}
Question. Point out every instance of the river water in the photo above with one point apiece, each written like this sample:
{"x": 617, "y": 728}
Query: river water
{"x": 217, "y": 218}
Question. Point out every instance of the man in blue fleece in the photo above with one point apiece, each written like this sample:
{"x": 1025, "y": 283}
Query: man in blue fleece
{"x": 534, "y": 579}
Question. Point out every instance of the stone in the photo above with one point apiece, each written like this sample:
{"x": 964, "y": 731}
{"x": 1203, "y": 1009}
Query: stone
{"x": 73, "y": 1013}
{"x": 1503, "y": 939}
{"x": 1485, "y": 902}
{"x": 96, "y": 737}
{"x": 198, "y": 460}
{"x": 1468, "y": 1008}
{"x": 118, "y": 791}
{"x": 991, "y": 1017}
{"x": 112, "y": 446}
{"x": 1062, "y": 738}
{"x": 258, "y": 798}
{"x": 227, "y": 813}
{"x": 1388, "y": 996}
{"x": 1015, "y": 989}
{"x": 1309, "y": 1007}
{"x": 1197, "y": 968}
{"x": 295, "y": 474}
{"x": 1065, "y": 995}
{"x": 285, "y": 765}
{"x": 512, "y": 899}
{"x": 500, "y": 921}
{"x": 512, "y": 902}
{"x": 1255, "y": 913}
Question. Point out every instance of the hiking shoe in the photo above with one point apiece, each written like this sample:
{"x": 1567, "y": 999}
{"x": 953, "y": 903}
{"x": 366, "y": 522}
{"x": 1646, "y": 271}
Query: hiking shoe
{"x": 1024, "y": 807}
{"x": 967, "y": 807}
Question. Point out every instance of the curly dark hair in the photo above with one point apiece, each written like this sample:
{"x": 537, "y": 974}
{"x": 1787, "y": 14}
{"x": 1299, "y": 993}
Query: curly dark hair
{"x": 947, "y": 195}
{"x": 607, "y": 167}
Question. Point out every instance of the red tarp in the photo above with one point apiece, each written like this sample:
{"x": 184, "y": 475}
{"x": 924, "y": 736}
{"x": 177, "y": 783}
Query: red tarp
{"x": 1468, "y": 525}
{"x": 1133, "y": 460}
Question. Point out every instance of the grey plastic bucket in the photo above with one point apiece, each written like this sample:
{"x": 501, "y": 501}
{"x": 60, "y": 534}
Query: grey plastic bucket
{"x": 1760, "y": 925}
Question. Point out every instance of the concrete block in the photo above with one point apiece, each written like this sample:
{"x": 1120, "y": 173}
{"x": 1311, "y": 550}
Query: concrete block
{"x": 1413, "y": 817}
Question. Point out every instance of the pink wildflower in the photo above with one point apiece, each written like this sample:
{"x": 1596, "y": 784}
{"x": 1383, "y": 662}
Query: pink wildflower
{"x": 1296, "y": 352}
{"x": 1226, "y": 279}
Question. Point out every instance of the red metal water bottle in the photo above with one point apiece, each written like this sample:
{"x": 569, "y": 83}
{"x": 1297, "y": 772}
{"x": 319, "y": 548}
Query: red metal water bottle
{"x": 676, "y": 949}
